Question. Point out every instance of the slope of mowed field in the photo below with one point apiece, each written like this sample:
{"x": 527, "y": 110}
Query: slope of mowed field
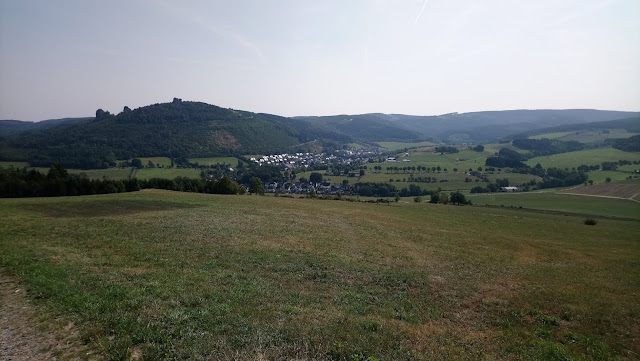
{"x": 587, "y": 136}
{"x": 588, "y": 157}
{"x": 13, "y": 164}
{"x": 618, "y": 190}
{"x": 562, "y": 203}
{"x": 231, "y": 161}
{"x": 168, "y": 275}
{"x": 398, "y": 146}
{"x": 167, "y": 173}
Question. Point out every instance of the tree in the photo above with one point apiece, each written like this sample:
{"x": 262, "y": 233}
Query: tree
{"x": 458, "y": 198}
{"x": 608, "y": 179}
{"x": 136, "y": 162}
{"x": 361, "y": 172}
{"x": 435, "y": 198}
{"x": 315, "y": 177}
{"x": 479, "y": 148}
{"x": 444, "y": 198}
{"x": 255, "y": 186}
{"x": 150, "y": 164}
{"x": 396, "y": 197}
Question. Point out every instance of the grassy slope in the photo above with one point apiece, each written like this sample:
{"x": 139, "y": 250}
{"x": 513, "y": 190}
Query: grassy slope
{"x": 232, "y": 161}
{"x": 167, "y": 173}
{"x": 232, "y": 277}
{"x": 588, "y": 157}
{"x": 561, "y": 202}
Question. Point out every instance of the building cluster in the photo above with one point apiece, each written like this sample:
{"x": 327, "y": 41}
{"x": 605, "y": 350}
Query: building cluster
{"x": 308, "y": 187}
{"x": 304, "y": 160}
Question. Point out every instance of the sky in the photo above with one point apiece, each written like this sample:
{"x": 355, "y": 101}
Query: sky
{"x": 67, "y": 58}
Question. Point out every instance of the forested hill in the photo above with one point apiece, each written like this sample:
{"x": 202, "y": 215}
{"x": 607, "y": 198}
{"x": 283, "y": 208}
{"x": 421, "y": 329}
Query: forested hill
{"x": 475, "y": 127}
{"x": 178, "y": 129}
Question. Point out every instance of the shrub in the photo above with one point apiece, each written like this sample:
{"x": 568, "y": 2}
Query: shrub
{"x": 590, "y": 222}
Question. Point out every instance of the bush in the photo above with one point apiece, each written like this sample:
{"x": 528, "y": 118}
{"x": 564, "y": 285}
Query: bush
{"x": 590, "y": 222}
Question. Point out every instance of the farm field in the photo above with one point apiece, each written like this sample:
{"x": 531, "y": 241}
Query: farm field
{"x": 454, "y": 181}
{"x": 231, "y": 161}
{"x": 626, "y": 190}
{"x": 551, "y": 201}
{"x": 168, "y": 275}
{"x": 157, "y": 161}
{"x": 167, "y": 173}
{"x": 586, "y": 136}
{"x": 14, "y": 164}
{"x": 398, "y": 146}
{"x": 588, "y": 157}
{"x": 109, "y": 173}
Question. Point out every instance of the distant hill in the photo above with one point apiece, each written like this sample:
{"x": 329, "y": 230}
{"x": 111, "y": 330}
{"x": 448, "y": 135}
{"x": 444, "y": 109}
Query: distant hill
{"x": 8, "y": 127}
{"x": 178, "y": 130}
{"x": 193, "y": 129}
{"x": 364, "y": 127}
{"x": 476, "y": 127}
{"x": 631, "y": 125}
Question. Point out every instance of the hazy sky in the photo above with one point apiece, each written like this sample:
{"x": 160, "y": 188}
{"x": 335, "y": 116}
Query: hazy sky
{"x": 70, "y": 57}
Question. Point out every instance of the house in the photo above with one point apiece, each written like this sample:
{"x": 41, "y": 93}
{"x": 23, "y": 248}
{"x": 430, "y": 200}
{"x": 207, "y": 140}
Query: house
{"x": 510, "y": 189}
{"x": 392, "y": 159}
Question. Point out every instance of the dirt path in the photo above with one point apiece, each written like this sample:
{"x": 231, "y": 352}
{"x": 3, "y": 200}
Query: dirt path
{"x": 25, "y": 336}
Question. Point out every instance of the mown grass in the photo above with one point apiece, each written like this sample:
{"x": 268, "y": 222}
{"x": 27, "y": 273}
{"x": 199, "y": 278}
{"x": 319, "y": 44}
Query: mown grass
{"x": 167, "y": 173}
{"x": 586, "y": 136}
{"x": 398, "y": 146}
{"x": 588, "y": 157}
{"x": 13, "y": 164}
{"x": 157, "y": 161}
{"x": 231, "y": 161}
{"x": 187, "y": 276}
{"x": 561, "y": 202}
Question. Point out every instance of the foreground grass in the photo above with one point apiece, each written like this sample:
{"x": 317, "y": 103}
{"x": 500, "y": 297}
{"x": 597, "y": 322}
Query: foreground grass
{"x": 186, "y": 276}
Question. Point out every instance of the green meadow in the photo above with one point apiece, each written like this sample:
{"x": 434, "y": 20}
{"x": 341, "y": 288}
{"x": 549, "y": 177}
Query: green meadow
{"x": 157, "y": 275}
{"x": 167, "y": 173}
{"x": 230, "y": 161}
{"x": 587, "y": 136}
{"x": 588, "y": 157}
{"x": 561, "y": 202}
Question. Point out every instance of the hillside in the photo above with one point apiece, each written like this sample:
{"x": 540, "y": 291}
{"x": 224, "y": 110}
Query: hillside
{"x": 148, "y": 275}
{"x": 178, "y": 129}
{"x": 629, "y": 124}
{"x": 476, "y": 127}
{"x": 364, "y": 127}
{"x": 8, "y": 127}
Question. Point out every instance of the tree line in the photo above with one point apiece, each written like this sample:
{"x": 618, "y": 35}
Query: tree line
{"x": 24, "y": 182}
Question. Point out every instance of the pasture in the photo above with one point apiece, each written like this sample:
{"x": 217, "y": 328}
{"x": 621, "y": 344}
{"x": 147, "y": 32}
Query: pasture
{"x": 588, "y": 157}
{"x": 167, "y": 275}
{"x": 551, "y": 201}
{"x": 587, "y": 136}
{"x": 167, "y": 173}
{"x": 230, "y": 161}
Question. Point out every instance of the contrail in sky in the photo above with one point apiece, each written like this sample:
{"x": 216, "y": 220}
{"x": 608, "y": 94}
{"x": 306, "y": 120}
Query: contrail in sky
{"x": 424, "y": 4}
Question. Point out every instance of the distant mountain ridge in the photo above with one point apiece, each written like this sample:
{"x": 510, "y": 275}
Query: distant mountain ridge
{"x": 487, "y": 126}
{"x": 183, "y": 129}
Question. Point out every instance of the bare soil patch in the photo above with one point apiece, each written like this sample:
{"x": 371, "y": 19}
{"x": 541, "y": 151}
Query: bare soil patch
{"x": 24, "y": 335}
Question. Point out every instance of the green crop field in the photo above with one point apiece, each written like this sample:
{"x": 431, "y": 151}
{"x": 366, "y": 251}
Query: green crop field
{"x": 231, "y": 161}
{"x": 588, "y": 157}
{"x": 168, "y": 275}
{"x": 167, "y": 173}
{"x": 587, "y": 136}
{"x": 398, "y": 146}
{"x": 561, "y": 202}
{"x": 157, "y": 161}
{"x": 14, "y": 164}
